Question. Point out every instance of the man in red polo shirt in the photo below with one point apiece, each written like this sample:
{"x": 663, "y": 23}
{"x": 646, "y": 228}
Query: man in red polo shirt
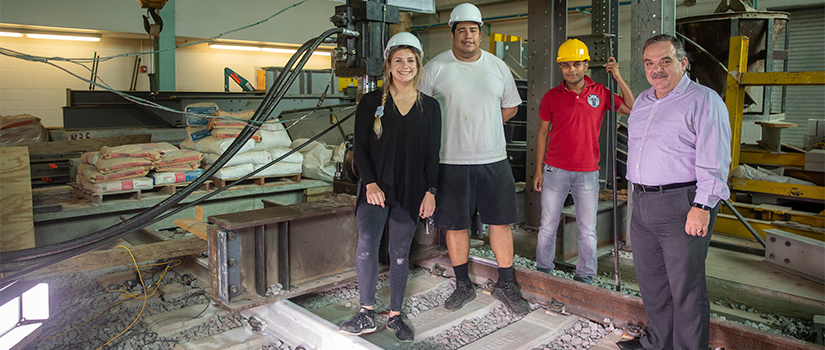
{"x": 571, "y": 116}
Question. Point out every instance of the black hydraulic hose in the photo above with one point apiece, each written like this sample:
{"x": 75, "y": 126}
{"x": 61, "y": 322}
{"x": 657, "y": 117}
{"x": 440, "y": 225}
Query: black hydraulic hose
{"x": 744, "y": 222}
{"x": 46, "y": 261}
{"x": 128, "y": 226}
{"x": 140, "y": 220}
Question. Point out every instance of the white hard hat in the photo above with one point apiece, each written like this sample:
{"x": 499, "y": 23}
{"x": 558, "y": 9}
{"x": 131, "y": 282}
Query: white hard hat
{"x": 403, "y": 39}
{"x": 465, "y": 12}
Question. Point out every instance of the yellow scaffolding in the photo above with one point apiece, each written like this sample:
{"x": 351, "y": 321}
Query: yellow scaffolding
{"x": 738, "y": 78}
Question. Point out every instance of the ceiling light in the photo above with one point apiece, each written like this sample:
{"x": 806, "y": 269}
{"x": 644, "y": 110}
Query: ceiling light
{"x": 11, "y": 34}
{"x": 278, "y": 50}
{"x": 291, "y": 51}
{"x": 63, "y": 37}
{"x": 235, "y": 47}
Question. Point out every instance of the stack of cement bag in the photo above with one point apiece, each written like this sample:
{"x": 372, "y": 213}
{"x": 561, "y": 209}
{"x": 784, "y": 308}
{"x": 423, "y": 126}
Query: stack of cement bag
{"x": 124, "y": 168}
{"x": 269, "y": 142}
{"x": 319, "y": 159}
{"x": 21, "y": 129}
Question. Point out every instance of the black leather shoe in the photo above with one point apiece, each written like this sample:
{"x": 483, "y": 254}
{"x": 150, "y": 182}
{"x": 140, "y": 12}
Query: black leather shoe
{"x": 632, "y": 344}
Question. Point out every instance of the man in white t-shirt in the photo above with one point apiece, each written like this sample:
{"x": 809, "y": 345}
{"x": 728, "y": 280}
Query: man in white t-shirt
{"x": 477, "y": 95}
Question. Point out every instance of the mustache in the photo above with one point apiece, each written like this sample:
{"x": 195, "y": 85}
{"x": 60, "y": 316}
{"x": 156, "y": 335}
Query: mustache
{"x": 659, "y": 75}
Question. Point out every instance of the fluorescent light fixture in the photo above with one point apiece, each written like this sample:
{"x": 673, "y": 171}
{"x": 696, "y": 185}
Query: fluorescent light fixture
{"x": 23, "y": 314}
{"x": 33, "y": 306}
{"x": 11, "y": 34}
{"x": 291, "y": 51}
{"x": 9, "y": 315}
{"x": 264, "y": 49}
{"x": 278, "y": 50}
{"x": 235, "y": 47}
{"x": 62, "y": 37}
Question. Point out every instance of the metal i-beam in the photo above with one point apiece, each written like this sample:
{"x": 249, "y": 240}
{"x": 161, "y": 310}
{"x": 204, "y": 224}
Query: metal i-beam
{"x": 649, "y": 18}
{"x": 546, "y": 30}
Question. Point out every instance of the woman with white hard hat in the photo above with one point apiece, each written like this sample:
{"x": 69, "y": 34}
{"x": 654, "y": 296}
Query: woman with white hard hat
{"x": 397, "y": 144}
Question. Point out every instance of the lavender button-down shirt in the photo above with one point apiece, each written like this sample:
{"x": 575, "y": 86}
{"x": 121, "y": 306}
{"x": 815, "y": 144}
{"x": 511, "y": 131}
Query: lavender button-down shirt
{"x": 681, "y": 137}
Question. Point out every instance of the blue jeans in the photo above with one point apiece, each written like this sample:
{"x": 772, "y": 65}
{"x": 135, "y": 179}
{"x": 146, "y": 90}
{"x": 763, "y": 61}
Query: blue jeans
{"x": 584, "y": 186}
{"x": 371, "y": 219}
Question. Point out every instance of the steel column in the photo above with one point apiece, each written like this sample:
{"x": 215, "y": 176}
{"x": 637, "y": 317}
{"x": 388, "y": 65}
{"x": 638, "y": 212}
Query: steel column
{"x": 649, "y": 18}
{"x": 735, "y": 94}
{"x": 165, "y": 45}
{"x": 547, "y": 30}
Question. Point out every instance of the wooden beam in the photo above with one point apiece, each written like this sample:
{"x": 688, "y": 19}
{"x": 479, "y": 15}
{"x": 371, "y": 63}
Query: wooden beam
{"x": 118, "y": 256}
{"x": 16, "y": 216}
{"x": 196, "y": 227}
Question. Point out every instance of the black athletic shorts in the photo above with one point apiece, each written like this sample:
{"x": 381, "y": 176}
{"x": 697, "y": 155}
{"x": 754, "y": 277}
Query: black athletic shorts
{"x": 463, "y": 189}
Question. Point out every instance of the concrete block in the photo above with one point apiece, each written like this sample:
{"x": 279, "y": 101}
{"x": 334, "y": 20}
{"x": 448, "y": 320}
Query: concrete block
{"x": 170, "y": 323}
{"x": 234, "y": 339}
{"x": 815, "y": 160}
{"x": 299, "y": 326}
{"x": 537, "y": 326}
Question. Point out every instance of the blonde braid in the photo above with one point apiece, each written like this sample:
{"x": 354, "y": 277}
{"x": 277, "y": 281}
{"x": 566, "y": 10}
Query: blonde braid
{"x": 379, "y": 113}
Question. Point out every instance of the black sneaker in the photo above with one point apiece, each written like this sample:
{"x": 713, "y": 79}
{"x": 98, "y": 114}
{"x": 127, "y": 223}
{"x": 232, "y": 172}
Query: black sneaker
{"x": 584, "y": 279}
{"x": 510, "y": 296}
{"x": 463, "y": 294}
{"x": 402, "y": 331}
{"x": 362, "y": 323}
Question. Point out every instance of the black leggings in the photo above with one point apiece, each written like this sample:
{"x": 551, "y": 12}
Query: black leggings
{"x": 371, "y": 219}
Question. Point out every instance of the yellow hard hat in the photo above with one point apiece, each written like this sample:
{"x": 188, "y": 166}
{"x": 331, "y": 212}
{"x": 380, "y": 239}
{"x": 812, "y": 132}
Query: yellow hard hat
{"x": 573, "y": 50}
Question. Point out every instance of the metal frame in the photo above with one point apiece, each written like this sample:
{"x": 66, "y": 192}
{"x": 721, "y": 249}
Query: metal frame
{"x": 289, "y": 250}
{"x": 738, "y": 78}
{"x": 547, "y": 30}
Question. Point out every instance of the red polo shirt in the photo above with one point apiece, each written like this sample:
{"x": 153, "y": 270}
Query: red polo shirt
{"x": 575, "y": 121}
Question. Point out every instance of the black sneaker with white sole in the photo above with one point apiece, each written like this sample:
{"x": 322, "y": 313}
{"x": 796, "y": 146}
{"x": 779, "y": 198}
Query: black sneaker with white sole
{"x": 463, "y": 294}
{"x": 510, "y": 296}
{"x": 362, "y": 323}
{"x": 402, "y": 331}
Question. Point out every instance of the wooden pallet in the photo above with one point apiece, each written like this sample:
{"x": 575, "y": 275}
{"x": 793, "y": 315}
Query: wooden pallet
{"x": 606, "y": 195}
{"x": 173, "y": 188}
{"x": 97, "y": 198}
{"x": 260, "y": 181}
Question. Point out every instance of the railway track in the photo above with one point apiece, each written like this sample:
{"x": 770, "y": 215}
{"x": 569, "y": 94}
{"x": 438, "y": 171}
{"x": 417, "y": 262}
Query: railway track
{"x": 565, "y": 315}
{"x": 591, "y": 318}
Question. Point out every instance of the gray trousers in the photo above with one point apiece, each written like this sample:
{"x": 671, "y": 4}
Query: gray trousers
{"x": 670, "y": 268}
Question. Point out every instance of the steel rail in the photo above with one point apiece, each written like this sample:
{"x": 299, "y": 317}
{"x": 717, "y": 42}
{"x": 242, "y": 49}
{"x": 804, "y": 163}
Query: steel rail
{"x": 598, "y": 304}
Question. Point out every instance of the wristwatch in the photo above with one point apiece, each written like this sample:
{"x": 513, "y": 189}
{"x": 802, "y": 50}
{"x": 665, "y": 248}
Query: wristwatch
{"x": 702, "y": 206}
{"x": 432, "y": 190}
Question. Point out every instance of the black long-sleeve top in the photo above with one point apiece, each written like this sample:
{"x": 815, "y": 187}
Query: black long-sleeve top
{"x": 404, "y": 161}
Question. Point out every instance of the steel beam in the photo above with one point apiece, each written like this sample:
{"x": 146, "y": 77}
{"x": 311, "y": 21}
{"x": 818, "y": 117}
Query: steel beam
{"x": 546, "y": 30}
{"x": 783, "y": 78}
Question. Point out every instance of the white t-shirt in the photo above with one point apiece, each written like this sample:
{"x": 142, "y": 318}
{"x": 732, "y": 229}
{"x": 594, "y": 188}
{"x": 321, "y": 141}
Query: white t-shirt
{"x": 471, "y": 95}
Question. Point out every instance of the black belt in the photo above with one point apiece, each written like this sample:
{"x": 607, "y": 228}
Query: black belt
{"x": 644, "y": 188}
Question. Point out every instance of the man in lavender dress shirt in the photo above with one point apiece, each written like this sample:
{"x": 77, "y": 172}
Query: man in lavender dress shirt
{"x": 678, "y": 162}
